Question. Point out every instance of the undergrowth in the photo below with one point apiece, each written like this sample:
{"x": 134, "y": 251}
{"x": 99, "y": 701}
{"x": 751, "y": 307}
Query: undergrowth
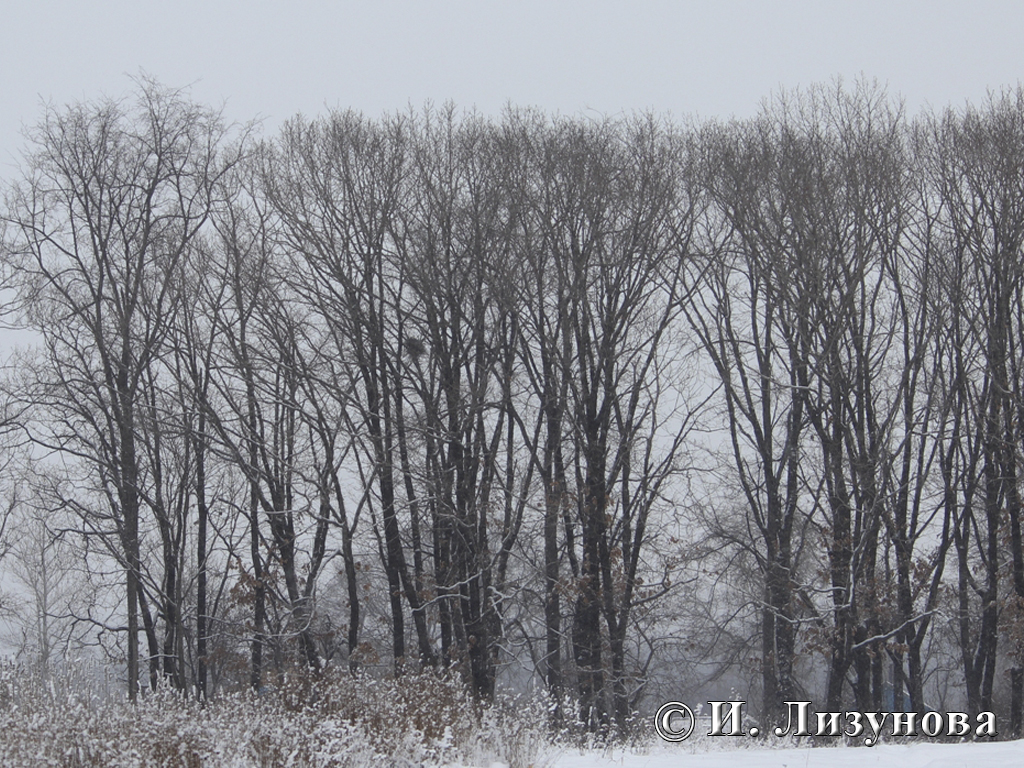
{"x": 337, "y": 720}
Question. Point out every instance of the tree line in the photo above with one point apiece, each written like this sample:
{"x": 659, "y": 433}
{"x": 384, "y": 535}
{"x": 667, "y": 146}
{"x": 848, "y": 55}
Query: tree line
{"x": 570, "y": 402}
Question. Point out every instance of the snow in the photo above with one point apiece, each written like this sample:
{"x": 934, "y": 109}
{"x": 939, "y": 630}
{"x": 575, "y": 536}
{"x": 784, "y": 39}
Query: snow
{"x": 917, "y": 755}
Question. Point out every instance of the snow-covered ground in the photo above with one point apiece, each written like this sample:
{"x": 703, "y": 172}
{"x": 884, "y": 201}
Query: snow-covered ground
{"x": 1002, "y": 754}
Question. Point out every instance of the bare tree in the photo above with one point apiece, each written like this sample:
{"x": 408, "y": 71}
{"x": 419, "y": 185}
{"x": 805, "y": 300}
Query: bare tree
{"x": 752, "y": 332}
{"x": 114, "y": 194}
{"x": 460, "y": 331}
{"x": 255, "y": 421}
{"x": 976, "y": 166}
{"x": 614, "y": 217}
{"x": 800, "y": 313}
{"x": 336, "y": 186}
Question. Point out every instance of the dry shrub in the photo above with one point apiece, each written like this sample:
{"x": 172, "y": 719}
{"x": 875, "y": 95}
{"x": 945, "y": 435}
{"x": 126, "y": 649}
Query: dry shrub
{"x": 333, "y": 720}
{"x": 426, "y": 716}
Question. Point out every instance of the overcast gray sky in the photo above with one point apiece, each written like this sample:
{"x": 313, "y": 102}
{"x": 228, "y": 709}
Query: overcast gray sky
{"x": 704, "y": 58}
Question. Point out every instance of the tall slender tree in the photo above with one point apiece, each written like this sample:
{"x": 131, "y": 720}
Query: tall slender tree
{"x": 114, "y": 194}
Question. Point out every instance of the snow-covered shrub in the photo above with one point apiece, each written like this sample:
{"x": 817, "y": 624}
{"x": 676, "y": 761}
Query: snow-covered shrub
{"x": 423, "y": 718}
{"x": 332, "y": 720}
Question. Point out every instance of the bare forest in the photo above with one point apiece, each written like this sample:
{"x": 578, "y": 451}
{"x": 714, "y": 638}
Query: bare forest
{"x": 603, "y": 411}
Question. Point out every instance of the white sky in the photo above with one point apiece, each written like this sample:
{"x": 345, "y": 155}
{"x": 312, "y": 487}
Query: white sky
{"x": 713, "y": 58}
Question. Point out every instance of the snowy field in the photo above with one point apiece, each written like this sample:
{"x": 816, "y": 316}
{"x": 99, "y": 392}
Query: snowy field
{"x": 1003, "y": 754}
